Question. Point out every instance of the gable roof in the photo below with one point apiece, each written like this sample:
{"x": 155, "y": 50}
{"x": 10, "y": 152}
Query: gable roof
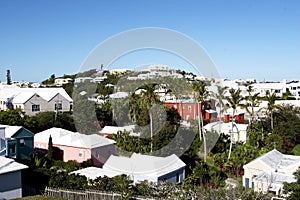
{"x": 68, "y": 138}
{"x": 9, "y": 165}
{"x": 24, "y": 94}
{"x": 22, "y": 97}
{"x": 277, "y": 161}
{"x": 10, "y": 130}
{"x": 138, "y": 164}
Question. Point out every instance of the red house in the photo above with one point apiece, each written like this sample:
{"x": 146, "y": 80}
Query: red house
{"x": 190, "y": 110}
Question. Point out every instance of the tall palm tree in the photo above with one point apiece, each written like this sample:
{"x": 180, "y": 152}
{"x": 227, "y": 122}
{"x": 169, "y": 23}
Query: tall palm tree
{"x": 252, "y": 100}
{"x": 219, "y": 97}
{"x": 201, "y": 92}
{"x": 234, "y": 101}
{"x": 271, "y": 107}
{"x": 150, "y": 97}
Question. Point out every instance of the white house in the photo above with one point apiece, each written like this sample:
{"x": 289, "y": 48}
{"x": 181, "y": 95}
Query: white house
{"x": 34, "y": 100}
{"x": 10, "y": 178}
{"x": 151, "y": 168}
{"x": 239, "y": 130}
{"x": 76, "y": 146}
{"x": 268, "y": 172}
{"x": 140, "y": 168}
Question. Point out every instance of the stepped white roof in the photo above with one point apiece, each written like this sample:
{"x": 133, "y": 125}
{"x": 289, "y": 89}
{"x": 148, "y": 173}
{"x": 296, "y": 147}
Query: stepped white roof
{"x": 277, "y": 161}
{"x": 68, "y": 138}
{"x": 95, "y": 172}
{"x": 9, "y": 165}
{"x": 145, "y": 165}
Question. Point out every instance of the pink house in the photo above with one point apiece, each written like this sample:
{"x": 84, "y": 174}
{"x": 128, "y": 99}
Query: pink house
{"x": 77, "y": 146}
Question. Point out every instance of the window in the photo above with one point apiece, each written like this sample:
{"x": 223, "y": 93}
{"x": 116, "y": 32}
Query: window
{"x": 190, "y": 107}
{"x": 35, "y": 108}
{"x": 177, "y": 178}
{"x": 58, "y": 106}
{"x": 80, "y": 154}
{"x": 277, "y": 91}
{"x": 247, "y": 182}
{"x": 22, "y": 142}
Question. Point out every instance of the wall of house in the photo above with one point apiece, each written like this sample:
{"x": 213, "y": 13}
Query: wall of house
{"x": 58, "y": 99}
{"x": 173, "y": 177}
{"x": 252, "y": 171}
{"x": 73, "y": 153}
{"x": 101, "y": 154}
{"x": 188, "y": 110}
{"x": 10, "y": 185}
{"x": 35, "y": 100}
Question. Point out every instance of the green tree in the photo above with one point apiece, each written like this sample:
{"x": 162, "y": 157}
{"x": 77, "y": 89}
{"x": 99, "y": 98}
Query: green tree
{"x": 150, "y": 98}
{"x": 50, "y": 149}
{"x": 271, "y": 107}
{"x": 234, "y": 101}
{"x": 8, "y": 77}
{"x": 202, "y": 93}
{"x": 293, "y": 189}
{"x": 252, "y": 100}
{"x": 219, "y": 97}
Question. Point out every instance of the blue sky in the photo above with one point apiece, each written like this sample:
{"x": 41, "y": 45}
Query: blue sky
{"x": 245, "y": 39}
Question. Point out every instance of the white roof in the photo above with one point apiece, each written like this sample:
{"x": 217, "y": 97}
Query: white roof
{"x": 10, "y": 130}
{"x": 22, "y": 97}
{"x": 277, "y": 161}
{"x": 275, "y": 180}
{"x": 118, "y": 95}
{"x": 68, "y": 138}
{"x": 115, "y": 129}
{"x": 138, "y": 164}
{"x": 95, "y": 172}
{"x": 26, "y": 93}
{"x": 9, "y": 165}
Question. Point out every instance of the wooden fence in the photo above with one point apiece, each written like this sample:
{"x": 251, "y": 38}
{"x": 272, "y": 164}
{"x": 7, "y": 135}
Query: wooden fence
{"x": 86, "y": 195}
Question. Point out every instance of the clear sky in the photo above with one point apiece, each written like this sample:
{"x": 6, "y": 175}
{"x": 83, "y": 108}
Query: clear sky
{"x": 245, "y": 39}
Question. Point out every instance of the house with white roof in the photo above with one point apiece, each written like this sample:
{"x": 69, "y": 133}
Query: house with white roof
{"x": 239, "y": 131}
{"x": 268, "y": 172}
{"x": 16, "y": 142}
{"x": 108, "y": 131}
{"x": 148, "y": 168}
{"x": 10, "y": 178}
{"x": 76, "y": 146}
{"x": 140, "y": 168}
{"x": 34, "y": 100}
{"x": 62, "y": 81}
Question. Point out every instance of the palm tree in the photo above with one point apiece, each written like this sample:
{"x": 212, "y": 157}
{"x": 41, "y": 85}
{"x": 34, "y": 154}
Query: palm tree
{"x": 234, "y": 101}
{"x": 149, "y": 97}
{"x": 219, "y": 97}
{"x": 271, "y": 107}
{"x": 201, "y": 92}
{"x": 252, "y": 100}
